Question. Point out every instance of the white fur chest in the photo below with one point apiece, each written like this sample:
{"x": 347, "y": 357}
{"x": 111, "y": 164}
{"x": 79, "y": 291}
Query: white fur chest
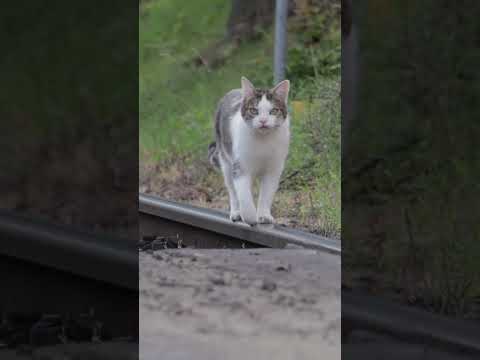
{"x": 259, "y": 153}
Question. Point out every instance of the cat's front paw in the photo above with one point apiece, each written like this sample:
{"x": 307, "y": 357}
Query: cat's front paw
{"x": 235, "y": 216}
{"x": 265, "y": 219}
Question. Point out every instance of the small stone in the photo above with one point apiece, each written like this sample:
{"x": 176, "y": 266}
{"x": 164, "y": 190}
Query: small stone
{"x": 269, "y": 286}
{"x": 218, "y": 281}
{"x": 157, "y": 256}
{"x": 283, "y": 268}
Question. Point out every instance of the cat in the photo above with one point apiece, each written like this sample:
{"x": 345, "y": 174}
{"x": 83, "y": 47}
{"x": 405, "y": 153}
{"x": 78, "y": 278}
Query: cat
{"x": 252, "y": 133}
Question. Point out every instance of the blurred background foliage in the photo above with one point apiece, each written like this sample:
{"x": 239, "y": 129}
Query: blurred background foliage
{"x": 412, "y": 166}
{"x": 66, "y": 137}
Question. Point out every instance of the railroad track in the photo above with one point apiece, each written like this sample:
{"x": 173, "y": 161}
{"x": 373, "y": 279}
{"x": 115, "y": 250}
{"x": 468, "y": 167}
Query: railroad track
{"x": 207, "y": 228}
{"x": 435, "y": 333}
{"x": 52, "y": 275}
{"x": 204, "y": 228}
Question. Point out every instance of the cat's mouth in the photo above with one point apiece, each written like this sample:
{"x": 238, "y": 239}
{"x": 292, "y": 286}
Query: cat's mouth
{"x": 264, "y": 129}
{"x": 264, "y": 126}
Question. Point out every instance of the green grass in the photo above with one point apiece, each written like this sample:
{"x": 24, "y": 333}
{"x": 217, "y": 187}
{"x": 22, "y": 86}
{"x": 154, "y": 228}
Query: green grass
{"x": 177, "y": 101}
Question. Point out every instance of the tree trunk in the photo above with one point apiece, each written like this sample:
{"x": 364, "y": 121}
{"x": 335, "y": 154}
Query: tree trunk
{"x": 248, "y": 17}
{"x": 247, "y": 20}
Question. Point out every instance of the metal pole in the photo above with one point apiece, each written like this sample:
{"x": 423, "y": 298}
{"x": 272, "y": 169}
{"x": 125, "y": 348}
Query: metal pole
{"x": 280, "y": 52}
{"x": 350, "y": 73}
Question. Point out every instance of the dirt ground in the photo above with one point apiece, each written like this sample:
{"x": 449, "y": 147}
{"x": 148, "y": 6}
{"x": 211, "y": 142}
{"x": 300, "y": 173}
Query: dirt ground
{"x": 239, "y": 304}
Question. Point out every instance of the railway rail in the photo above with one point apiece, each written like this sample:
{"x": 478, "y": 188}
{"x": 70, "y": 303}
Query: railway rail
{"x": 205, "y": 228}
{"x": 409, "y": 325}
{"x": 55, "y": 279}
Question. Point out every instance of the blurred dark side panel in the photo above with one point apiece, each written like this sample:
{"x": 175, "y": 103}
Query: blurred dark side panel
{"x": 410, "y": 170}
{"x": 69, "y": 161}
{"x": 69, "y": 112}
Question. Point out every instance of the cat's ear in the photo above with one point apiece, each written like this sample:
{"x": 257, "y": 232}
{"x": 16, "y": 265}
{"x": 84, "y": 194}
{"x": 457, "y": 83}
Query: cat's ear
{"x": 247, "y": 87}
{"x": 281, "y": 90}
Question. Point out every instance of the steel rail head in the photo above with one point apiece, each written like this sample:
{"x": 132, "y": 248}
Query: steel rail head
{"x": 217, "y": 221}
{"x": 410, "y": 324}
{"x": 98, "y": 257}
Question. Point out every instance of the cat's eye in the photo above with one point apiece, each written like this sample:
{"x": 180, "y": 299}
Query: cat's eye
{"x": 253, "y": 111}
{"x": 274, "y": 111}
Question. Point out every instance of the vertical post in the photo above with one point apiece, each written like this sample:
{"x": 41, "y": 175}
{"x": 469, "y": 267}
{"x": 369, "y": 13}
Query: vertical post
{"x": 280, "y": 51}
{"x": 350, "y": 72}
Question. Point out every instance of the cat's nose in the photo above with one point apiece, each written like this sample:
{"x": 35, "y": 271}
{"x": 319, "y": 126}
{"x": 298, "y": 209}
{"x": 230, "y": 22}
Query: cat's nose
{"x": 263, "y": 121}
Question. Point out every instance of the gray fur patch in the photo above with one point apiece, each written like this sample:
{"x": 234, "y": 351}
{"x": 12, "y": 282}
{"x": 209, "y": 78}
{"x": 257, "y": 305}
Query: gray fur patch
{"x": 227, "y": 107}
{"x": 213, "y": 155}
{"x": 237, "y": 170}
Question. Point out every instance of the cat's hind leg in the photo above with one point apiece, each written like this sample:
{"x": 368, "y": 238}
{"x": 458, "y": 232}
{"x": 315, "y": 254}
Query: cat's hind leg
{"x": 232, "y": 195}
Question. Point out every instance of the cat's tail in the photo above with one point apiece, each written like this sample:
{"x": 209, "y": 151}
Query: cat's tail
{"x": 213, "y": 155}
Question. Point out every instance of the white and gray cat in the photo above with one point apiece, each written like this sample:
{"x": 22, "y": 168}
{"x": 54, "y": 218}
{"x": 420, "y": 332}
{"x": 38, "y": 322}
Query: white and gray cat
{"x": 252, "y": 132}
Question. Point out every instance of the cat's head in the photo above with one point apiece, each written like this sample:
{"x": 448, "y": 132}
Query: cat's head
{"x": 264, "y": 110}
